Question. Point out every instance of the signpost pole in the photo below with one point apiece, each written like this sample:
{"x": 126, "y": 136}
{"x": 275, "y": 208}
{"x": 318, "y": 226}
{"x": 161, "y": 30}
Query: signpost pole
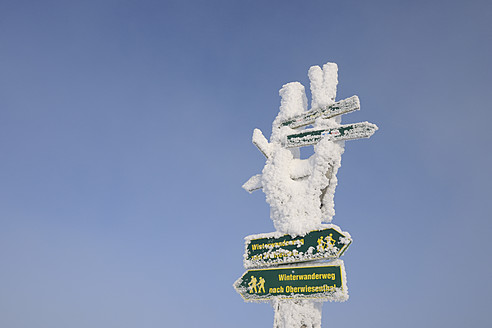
{"x": 297, "y": 267}
{"x": 297, "y": 313}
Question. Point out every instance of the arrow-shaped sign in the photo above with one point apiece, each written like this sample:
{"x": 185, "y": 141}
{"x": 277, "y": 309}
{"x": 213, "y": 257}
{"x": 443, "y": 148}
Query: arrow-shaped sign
{"x": 343, "y": 132}
{"x": 341, "y": 107}
{"x": 326, "y": 282}
{"x": 271, "y": 249}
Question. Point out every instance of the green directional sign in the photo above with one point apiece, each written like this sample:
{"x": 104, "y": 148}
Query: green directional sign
{"x": 343, "y": 132}
{"x": 326, "y": 282}
{"x": 272, "y": 248}
{"x": 341, "y": 107}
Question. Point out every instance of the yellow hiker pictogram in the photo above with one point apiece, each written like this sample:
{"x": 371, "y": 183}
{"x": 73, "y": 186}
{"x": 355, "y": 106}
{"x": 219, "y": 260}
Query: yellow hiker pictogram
{"x": 330, "y": 242}
{"x": 321, "y": 244}
{"x": 327, "y": 243}
{"x": 261, "y": 285}
{"x": 252, "y": 285}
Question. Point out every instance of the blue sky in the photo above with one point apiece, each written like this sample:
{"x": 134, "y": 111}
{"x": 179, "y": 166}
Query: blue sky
{"x": 125, "y": 137}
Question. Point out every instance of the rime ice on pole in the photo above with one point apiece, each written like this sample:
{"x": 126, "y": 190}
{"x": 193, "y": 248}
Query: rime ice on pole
{"x": 300, "y": 192}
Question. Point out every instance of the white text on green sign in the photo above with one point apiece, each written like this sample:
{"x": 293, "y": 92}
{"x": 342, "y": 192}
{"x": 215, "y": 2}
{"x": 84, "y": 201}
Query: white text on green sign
{"x": 341, "y": 107}
{"x": 343, "y": 132}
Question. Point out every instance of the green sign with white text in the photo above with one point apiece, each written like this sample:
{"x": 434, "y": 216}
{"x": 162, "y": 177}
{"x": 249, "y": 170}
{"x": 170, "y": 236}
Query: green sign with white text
{"x": 322, "y": 282}
{"x": 343, "y": 132}
{"x": 340, "y": 107}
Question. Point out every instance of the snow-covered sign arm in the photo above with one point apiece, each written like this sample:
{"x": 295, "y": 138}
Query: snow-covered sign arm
{"x": 261, "y": 143}
{"x": 253, "y": 183}
{"x": 341, "y": 107}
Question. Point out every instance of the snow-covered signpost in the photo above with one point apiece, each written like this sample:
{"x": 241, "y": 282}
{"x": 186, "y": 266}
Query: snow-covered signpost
{"x": 300, "y": 193}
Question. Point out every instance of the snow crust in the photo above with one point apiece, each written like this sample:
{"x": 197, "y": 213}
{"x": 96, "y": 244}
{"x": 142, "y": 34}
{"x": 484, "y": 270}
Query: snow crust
{"x": 295, "y": 314}
{"x": 300, "y": 191}
{"x": 323, "y": 84}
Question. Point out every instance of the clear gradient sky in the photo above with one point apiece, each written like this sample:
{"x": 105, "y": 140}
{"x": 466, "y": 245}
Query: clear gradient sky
{"x": 125, "y": 137}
